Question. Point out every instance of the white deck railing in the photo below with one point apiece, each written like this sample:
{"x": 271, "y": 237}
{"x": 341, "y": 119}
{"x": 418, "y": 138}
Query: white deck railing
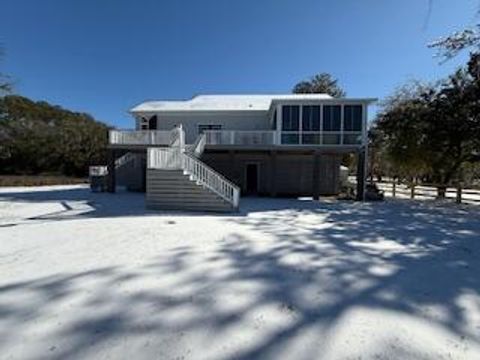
{"x": 234, "y": 137}
{"x": 283, "y": 138}
{"x": 175, "y": 159}
{"x": 139, "y": 137}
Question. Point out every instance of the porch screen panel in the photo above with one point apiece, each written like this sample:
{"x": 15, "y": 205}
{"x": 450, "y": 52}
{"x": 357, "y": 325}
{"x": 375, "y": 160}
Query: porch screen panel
{"x": 353, "y": 118}
{"x": 290, "y": 117}
{"x": 332, "y": 118}
{"x": 311, "y": 118}
{"x": 311, "y": 124}
{"x": 290, "y": 124}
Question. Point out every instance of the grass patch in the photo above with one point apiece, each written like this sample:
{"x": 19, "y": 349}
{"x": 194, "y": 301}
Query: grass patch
{"x": 39, "y": 180}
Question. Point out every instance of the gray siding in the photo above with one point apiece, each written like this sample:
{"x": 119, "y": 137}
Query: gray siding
{"x": 292, "y": 175}
{"x": 131, "y": 175}
{"x": 228, "y": 121}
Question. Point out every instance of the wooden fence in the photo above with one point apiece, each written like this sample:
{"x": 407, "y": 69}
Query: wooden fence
{"x": 427, "y": 191}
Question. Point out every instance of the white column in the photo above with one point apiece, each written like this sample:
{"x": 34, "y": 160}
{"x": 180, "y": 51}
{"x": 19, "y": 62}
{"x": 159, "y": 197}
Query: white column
{"x": 300, "y": 123}
{"x": 321, "y": 124}
{"x": 279, "y": 125}
{"x": 342, "y": 119}
{"x": 365, "y": 141}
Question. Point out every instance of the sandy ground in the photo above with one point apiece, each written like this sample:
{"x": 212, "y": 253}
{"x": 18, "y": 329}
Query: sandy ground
{"x": 95, "y": 276}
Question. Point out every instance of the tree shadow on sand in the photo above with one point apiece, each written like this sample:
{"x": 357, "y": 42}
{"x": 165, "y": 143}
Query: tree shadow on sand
{"x": 283, "y": 292}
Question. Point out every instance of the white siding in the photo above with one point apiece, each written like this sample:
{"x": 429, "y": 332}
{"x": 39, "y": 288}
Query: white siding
{"x": 228, "y": 121}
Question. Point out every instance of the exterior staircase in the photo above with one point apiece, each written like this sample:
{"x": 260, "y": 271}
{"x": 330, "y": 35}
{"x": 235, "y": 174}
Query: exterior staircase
{"x": 175, "y": 190}
{"x": 178, "y": 180}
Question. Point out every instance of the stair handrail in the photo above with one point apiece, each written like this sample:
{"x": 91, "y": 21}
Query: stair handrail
{"x": 211, "y": 179}
{"x": 102, "y": 170}
{"x": 122, "y": 160}
{"x": 177, "y": 137}
{"x": 174, "y": 159}
{"x": 164, "y": 158}
{"x": 196, "y": 149}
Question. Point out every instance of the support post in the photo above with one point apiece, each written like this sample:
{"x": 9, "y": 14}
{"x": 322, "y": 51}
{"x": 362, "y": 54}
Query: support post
{"x": 273, "y": 174}
{"x": 361, "y": 173}
{"x": 459, "y": 194}
{"x": 316, "y": 175}
{"x": 111, "y": 171}
{"x": 235, "y": 173}
{"x": 394, "y": 188}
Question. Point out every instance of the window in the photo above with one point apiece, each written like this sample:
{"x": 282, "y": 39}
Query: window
{"x": 352, "y": 118}
{"x": 205, "y": 127}
{"x": 148, "y": 123}
{"x": 143, "y": 124}
{"x": 290, "y": 117}
{"x": 152, "y": 122}
{"x": 331, "y": 118}
{"x": 311, "y": 118}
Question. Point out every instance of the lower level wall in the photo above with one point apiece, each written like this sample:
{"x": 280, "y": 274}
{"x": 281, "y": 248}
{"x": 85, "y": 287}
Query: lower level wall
{"x": 132, "y": 174}
{"x": 280, "y": 173}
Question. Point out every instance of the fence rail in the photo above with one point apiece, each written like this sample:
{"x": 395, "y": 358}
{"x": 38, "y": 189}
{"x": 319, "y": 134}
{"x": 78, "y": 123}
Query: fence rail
{"x": 429, "y": 191}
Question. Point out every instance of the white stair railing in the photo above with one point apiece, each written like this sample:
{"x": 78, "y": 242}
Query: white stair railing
{"x": 164, "y": 158}
{"x": 174, "y": 159}
{"x": 211, "y": 179}
{"x": 102, "y": 170}
{"x": 198, "y": 146}
{"x": 122, "y": 160}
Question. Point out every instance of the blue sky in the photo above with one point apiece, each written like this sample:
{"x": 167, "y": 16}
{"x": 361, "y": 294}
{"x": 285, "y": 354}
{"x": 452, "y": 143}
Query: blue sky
{"x": 104, "y": 56}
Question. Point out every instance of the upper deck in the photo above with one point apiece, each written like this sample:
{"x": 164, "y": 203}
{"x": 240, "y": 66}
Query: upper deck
{"x": 284, "y": 122}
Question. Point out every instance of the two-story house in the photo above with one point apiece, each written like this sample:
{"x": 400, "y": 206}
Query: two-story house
{"x": 204, "y": 152}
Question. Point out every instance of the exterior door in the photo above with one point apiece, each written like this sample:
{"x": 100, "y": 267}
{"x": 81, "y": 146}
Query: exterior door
{"x": 252, "y": 179}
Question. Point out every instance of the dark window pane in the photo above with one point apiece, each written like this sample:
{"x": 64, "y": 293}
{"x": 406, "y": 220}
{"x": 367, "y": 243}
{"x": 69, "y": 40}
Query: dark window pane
{"x": 331, "y": 139}
{"x": 290, "y": 117}
{"x": 290, "y": 138}
{"x": 285, "y": 117}
{"x": 295, "y": 117}
{"x": 311, "y": 118}
{"x": 316, "y": 118}
{"x": 353, "y": 118}
{"x": 331, "y": 118}
{"x": 352, "y": 139}
{"x": 152, "y": 122}
{"x": 306, "y": 118}
{"x": 311, "y": 139}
